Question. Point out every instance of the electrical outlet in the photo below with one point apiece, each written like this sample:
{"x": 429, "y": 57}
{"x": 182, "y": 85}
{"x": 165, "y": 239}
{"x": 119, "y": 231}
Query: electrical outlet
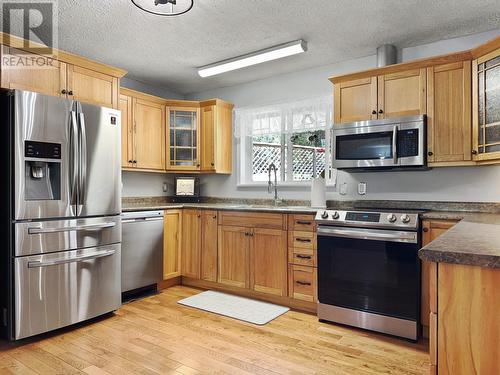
{"x": 343, "y": 188}
{"x": 362, "y": 188}
{"x": 165, "y": 187}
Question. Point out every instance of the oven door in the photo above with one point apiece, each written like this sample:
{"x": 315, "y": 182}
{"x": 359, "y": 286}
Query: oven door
{"x": 369, "y": 270}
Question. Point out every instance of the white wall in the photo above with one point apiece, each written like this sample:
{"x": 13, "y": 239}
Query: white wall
{"x": 145, "y": 184}
{"x": 148, "y": 88}
{"x": 447, "y": 184}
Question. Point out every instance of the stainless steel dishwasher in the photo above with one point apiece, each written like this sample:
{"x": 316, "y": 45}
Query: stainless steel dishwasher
{"x": 142, "y": 249}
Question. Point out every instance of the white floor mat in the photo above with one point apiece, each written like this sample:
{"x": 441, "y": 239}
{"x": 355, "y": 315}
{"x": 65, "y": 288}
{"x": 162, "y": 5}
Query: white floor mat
{"x": 241, "y": 308}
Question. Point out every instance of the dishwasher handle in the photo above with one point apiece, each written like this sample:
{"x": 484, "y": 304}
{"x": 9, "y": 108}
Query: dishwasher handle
{"x": 142, "y": 219}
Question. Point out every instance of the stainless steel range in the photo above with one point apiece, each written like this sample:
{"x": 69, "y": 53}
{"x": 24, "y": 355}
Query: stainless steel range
{"x": 368, "y": 270}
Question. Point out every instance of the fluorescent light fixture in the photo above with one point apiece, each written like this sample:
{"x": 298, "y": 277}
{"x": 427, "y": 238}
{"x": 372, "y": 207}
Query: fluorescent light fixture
{"x": 254, "y": 58}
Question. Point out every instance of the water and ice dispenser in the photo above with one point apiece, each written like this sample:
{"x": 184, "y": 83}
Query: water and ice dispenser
{"x": 42, "y": 171}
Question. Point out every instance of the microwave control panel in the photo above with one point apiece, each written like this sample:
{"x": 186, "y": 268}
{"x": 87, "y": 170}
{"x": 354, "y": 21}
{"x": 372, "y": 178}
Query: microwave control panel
{"x": 407, "y": 143}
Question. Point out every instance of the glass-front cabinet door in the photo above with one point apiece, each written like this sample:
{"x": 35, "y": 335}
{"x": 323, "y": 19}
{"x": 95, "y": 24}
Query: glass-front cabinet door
{"x": 486, "y": 107}
{"x": 183, "y": 138}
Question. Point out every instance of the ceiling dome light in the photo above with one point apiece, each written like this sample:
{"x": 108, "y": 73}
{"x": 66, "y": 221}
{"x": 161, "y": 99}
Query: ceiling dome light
{"x": 164, "y": 7}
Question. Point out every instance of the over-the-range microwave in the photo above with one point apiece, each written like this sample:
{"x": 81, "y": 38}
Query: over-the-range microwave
{"x": 387, "y": 144}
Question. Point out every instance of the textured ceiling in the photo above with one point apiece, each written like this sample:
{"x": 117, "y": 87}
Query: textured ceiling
{"x": 165, "y": 51}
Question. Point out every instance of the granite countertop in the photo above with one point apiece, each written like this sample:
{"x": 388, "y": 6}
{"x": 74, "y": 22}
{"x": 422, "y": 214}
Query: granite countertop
{"x": 474, "y": 241}
{"x": 220, "y": 206}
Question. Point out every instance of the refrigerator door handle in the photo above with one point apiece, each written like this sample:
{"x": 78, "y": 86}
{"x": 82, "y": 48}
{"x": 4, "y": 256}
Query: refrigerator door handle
{"x": 38, "y": 230}
{"x": 83, "y": 162}
{"x": 73, "y": 168}
{"x": 38, "y": 264}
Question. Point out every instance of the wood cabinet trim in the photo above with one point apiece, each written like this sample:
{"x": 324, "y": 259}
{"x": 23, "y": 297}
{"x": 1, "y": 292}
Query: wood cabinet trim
{"x": 67, "y": 57}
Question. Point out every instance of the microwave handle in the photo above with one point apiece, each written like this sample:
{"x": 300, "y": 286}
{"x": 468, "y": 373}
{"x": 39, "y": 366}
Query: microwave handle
{"x": 395, "y": 144}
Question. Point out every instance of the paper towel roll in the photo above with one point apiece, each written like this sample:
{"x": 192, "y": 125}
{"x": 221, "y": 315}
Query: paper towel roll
{"x": 318, "y": 193}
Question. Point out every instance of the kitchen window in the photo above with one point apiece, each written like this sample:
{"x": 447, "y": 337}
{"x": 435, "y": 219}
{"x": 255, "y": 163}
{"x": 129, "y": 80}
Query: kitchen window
{"x": 294, "y": 136}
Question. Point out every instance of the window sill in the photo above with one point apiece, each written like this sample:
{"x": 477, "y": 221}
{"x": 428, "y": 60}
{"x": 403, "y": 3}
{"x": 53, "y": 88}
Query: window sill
{"x": 287, "y": 185}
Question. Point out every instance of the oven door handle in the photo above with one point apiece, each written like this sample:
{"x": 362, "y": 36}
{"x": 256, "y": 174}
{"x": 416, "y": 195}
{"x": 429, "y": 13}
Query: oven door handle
{"x": 369, "y": 234}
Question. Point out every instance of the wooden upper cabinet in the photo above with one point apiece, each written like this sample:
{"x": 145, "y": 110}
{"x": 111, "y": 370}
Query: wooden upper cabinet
{"x": 377, "y": 97}
{"x": 92, "y": 87}
{"x": 216, "y": 136}
{"x": 191, "y": 243}
{"x": 268, "y": 261}
{"x": 209, "y": 245}
{"x": 486, "y": 107}
{"x": 172, "y": 244}
{"x": 208, "y": 135}
{"x": 355, "y": 100}
{"x": 49, "y": 80}
{"x": 233, "y": 256}
{"x": 402, "y": 94}
{"x": 449, "y": 128}
{"x": 125, "y": 106}
{"x": 183, "y": 138}
{"x": 149, "y": 131}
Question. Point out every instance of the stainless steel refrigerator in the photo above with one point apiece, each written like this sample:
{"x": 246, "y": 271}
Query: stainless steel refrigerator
{"x": 60, "y": 212}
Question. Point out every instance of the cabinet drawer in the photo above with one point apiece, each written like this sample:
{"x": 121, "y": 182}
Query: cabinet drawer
{"x": 253, "y": 219}
{"x": 302, "y": 240}
{"x": 304, "y": 223}
{"x": 302, "y": 283}
{"x": 303, "y": 257}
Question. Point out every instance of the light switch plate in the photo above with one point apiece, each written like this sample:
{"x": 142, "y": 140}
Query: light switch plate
{"x": 362, "y": 188}
{"x": 165, "y": 187}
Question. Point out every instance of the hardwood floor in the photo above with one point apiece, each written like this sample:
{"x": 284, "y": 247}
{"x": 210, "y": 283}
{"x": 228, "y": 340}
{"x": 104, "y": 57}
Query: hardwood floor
{"x": 157, "y": 336}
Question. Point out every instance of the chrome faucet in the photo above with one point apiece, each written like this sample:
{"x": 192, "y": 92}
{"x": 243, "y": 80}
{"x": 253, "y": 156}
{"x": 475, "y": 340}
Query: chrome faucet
{"x": 270, "y": 185}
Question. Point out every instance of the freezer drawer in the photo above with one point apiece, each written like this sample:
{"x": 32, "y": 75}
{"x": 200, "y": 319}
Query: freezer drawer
{"x": 59, "y": 289}
{"x": 142, "y": 249}
{"x": 32, "y": 238}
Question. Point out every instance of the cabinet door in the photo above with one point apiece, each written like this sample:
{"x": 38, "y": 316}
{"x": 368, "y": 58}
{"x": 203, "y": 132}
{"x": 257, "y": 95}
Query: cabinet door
{"x": 172, "y": 244}
{"x": 149, "y": 134}
{"x": 183, "y": 138}
{"x": 92, "y": 87}
{"x": 127, "y": 131}
{"x": 268, "y": 261}
{"x": 233, "y": 256}
{"x": 486, "y": 107}
{"x": 449, "y": 108}
{"x": 355, "y": 100}
{"x": 208, "y": 119}
{"x": 209, "y": 245}
{"x": 432, "y": 229}
{"x": 191, "y": 243}
{"x": 402, "y": 94}
{"x": 16, "y": 74}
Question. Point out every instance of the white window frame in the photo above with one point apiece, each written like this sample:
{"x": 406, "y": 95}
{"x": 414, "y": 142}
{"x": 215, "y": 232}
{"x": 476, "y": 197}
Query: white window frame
{"x": 245, "y": 170}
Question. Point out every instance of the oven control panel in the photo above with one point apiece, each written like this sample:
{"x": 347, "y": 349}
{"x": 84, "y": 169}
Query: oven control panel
{"x": 408, "y": 220}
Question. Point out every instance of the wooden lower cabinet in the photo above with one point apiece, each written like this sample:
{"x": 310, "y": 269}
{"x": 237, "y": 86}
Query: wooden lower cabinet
{"x": 431, "y": 229}
{"x": 303, "y": 283}
{"x": 191, "y": 243}
{"x": 233, "y": 256}
{"x": 268, "y": 261}
{"x": 465, "y": 334}
{"x": 172, "y": 244}
{"x": 209, "y": 245}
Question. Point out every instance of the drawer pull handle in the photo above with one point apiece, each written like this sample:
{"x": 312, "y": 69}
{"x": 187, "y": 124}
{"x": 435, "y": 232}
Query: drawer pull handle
{"x": 301, "y": 222}
{"x": 303, "y": 239}
{"x": 303, "y": 256}
{"x": 303, "y": 283}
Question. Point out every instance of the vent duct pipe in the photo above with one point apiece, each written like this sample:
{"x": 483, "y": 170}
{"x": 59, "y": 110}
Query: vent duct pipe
{"x": 387, "y": 54}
